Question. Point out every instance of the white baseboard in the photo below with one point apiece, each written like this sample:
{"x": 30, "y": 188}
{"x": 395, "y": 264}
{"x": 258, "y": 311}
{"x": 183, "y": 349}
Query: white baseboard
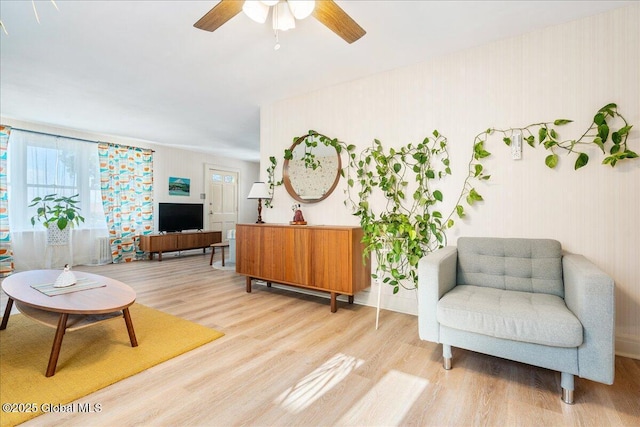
{"x": 402, "y": 304}
{"x": 628, "y": 346}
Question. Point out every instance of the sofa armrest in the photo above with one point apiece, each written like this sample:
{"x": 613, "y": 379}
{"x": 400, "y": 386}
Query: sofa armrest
{"x": 436, "y": 277}
{"x": 589, "y": 293}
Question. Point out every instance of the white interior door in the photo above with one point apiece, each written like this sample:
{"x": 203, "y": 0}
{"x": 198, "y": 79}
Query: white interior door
{"x": 223, "y": 200}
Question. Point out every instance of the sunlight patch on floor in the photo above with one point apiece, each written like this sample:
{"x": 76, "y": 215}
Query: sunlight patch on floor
{"x": 387, "y": 403}
{"x": 317, "y": 383}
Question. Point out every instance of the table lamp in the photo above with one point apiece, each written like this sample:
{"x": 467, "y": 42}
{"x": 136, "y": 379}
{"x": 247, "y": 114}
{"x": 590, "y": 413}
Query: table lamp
{"x": 259, "y": 190}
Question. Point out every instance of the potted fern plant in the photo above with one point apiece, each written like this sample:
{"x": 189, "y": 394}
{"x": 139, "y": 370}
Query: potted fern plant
{"x": 58, "y": 214}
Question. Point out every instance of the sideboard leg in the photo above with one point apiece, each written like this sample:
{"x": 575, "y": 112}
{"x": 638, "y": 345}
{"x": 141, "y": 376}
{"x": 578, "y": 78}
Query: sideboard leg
{"x": 268, "y": 284}
{"x": 334, "y": 302}
{"x": 248, "y": 284}
{"x": 350, "y": 299}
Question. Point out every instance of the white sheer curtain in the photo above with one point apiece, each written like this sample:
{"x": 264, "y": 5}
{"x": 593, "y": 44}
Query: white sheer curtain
{"x": 41, "y": 164}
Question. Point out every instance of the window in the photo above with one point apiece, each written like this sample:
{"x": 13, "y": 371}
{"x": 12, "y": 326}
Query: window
{"x": 40, "y": 164}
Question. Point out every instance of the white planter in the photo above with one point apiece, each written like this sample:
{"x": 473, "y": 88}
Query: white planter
{"x": 57, "y": 237}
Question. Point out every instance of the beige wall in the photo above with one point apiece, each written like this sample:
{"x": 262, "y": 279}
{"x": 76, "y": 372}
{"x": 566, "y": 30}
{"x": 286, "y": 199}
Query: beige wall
{"x": 566, "y": 71}
{"x": 172, "y": 162}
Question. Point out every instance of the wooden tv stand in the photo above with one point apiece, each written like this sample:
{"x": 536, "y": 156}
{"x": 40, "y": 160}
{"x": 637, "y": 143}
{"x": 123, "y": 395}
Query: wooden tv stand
{"x": 322, "y": 258}
{"x": 171, "y": 242}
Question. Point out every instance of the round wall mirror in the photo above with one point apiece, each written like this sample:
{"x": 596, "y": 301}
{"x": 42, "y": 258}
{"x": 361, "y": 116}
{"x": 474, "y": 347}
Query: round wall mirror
{"x": 311, "y": 169}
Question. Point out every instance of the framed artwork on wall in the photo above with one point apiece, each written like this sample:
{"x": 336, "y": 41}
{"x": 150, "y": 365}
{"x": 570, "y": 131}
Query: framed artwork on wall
{"x": 179, "y": 186}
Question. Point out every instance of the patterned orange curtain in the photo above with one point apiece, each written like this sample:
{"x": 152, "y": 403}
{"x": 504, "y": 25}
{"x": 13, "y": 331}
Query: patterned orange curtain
{"x": 6, "y": 253}
{"x": 126, "y": 184}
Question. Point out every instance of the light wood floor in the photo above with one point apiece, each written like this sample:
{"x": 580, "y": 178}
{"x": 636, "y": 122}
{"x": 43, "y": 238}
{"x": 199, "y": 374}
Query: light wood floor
{"x": 286, "y": 360}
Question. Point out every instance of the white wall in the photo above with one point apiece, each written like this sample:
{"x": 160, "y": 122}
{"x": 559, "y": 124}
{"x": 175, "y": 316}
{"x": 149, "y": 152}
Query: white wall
{"x": 171, "y": 162}
{"x": 567, "y": 71}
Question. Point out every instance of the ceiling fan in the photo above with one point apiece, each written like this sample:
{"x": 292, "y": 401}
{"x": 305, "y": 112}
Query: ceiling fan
{"x": 325, "y": 11}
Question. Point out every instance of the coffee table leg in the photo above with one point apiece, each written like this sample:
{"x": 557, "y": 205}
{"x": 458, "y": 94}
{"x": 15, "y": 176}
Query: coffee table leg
{"x": 7, "y": 313}
{"x": 57, "y": 344}
{"x": 132, "y": 333}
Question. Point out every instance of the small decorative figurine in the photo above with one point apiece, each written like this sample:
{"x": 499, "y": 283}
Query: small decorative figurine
{"x": 298, "y": 219}
{"x": 66, "y": 278}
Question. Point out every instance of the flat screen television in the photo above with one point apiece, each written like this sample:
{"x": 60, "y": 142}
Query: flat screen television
{"x": 180, "y": 216}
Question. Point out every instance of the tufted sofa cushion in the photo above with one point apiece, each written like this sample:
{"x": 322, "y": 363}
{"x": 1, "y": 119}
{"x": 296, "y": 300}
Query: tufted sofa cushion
{"x": 519, "y": 316}
{"x": 527, "y": 265}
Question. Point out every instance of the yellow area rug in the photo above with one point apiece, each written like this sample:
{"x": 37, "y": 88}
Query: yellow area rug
{"x": 91, "y": 358}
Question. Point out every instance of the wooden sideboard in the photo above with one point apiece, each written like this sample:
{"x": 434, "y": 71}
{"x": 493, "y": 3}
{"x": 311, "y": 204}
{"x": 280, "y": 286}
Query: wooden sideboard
{"x": 322, "y": 258}
{"x": 171, "y": 242}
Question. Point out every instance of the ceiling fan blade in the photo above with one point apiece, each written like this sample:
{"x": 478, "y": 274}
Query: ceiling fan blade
{"x": 220, "y": 14}
{"x": 337, "y": 20}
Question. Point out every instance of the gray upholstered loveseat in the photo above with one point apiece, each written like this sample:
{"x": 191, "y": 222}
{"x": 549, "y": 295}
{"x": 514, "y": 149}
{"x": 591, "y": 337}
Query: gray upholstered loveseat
{"x": 523, "y": 300}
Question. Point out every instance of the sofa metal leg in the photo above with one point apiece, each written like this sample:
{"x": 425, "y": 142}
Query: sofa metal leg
{"x": 447, "y": 357}
{"x": 447, "y": 363}
{"x": 567, "y": 384}
{"x": 567, "y": 396}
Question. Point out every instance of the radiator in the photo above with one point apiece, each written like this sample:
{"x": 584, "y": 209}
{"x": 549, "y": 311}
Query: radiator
{"x": 102, "y": 251}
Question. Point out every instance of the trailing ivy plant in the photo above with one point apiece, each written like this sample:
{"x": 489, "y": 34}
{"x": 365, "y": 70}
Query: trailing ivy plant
{"x": 271, "y": 182}
{"x": 597, "y": 134}
{"x": 311, "y": 140}
{"x": 412, "y": 223}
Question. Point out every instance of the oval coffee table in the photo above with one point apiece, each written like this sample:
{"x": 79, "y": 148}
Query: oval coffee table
{"x": 70, "y": 311}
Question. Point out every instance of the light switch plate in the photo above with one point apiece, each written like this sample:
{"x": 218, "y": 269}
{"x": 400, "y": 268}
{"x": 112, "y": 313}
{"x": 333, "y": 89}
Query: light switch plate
{"x": 516, "y": 146}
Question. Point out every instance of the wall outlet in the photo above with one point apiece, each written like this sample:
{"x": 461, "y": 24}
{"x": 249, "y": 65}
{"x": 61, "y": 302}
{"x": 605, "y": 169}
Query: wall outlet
{"x": 516, "y": 146}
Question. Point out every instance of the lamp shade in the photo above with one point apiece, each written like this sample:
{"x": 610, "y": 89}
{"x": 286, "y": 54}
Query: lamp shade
{"x": 259, "y": 190}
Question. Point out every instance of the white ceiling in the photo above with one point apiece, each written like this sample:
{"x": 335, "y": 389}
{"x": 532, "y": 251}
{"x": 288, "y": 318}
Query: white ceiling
{"x": 139, "y": 69}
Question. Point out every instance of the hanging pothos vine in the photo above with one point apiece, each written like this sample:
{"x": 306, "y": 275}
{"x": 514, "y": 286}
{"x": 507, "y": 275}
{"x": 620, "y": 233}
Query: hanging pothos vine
{"x": 412, "y": 223}
{"x": 271, "y": 182}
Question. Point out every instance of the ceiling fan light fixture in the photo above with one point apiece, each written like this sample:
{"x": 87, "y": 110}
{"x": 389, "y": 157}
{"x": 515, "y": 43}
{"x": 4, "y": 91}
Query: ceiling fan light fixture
{"x": 301, "y": 8}
{"x": 283, "y": 19}
{"x": 256, "y": 10}
{"x": 284, "y": 14}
